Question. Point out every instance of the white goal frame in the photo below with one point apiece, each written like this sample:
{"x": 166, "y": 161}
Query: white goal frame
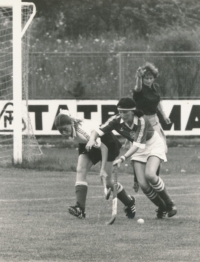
{"x": 16, "y": 6}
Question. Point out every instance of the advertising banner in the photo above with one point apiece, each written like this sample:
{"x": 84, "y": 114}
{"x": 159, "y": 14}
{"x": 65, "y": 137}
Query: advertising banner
{"x": 184, "y": 115}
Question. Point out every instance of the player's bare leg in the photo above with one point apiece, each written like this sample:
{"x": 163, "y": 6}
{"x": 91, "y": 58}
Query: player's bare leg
{"x": 81, "y": 186}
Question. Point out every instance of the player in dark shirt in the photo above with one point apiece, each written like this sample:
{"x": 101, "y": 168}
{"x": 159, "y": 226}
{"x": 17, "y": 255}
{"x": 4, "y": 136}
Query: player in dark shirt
{"x": 146, "y": 153}
{"x": 147, "y": 98}
{"x": 105, "y": 150}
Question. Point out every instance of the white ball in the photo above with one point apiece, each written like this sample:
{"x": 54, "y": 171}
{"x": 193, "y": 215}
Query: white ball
{"x": 140, "y": 221}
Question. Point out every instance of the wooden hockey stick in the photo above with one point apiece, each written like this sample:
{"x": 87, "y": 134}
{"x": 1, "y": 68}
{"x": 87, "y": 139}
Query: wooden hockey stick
{"x": 107, "y": 191}
{"x": 114, "y": 201}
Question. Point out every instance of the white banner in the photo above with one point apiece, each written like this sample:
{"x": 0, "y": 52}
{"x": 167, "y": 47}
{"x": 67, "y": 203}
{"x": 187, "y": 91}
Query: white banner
{"x": 184, "y": 114}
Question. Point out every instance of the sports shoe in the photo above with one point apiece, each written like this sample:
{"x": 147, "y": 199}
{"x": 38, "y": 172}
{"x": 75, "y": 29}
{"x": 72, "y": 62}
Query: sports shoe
{"x": 130, "y": 210}
{"x": 161, "y": 213}
{"x": 77, "y": 211}
{"x": 171, "y": 210}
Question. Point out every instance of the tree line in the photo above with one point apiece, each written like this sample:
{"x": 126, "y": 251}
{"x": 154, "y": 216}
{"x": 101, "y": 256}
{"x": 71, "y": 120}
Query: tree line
{"x": 162, "y": 25}
{"x": 76, "y": 18}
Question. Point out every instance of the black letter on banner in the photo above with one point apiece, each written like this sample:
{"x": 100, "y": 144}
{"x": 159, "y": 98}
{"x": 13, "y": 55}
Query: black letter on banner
{"x": 195, "y": 114}
{"x": 64, "y": 107}
{"x": 106, "y": 109}
{"x": 87, "y": 110}
{"x": 175, "y": 117}
{"x": 38, "y": 110}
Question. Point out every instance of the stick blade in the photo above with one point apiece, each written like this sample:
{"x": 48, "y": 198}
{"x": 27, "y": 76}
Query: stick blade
{"x": 114, "y": 212}
{"x": 111, "y": 221}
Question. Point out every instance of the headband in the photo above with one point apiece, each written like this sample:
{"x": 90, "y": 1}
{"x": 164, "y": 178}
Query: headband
{"x": 126, "y": 109}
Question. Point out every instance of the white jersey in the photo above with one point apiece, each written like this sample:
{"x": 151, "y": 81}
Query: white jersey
{"x": 83, "y": 130}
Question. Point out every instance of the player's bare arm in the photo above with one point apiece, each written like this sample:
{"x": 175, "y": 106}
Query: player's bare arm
{"x": 94, "y": 135}
{"x": 138, "y": 85}
{"x": 104, "y": 154}
{"x": 166, "y": 119}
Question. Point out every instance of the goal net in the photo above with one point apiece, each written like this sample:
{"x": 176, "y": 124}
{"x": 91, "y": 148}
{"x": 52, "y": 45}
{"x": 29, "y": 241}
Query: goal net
{"x": 17, "y": 140}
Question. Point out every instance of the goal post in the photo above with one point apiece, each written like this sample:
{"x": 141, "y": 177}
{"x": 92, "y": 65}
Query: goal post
{"x": 15, "y": 19}
{"x": 17, "y": 82}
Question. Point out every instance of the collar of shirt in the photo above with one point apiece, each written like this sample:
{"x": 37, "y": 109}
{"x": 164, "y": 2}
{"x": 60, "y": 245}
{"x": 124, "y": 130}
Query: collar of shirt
{"x": 135, "y": 122}
{"x": 81, "y": 131}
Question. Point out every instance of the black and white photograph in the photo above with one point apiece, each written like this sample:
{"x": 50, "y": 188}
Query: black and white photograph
{"x": 100, "y": 130}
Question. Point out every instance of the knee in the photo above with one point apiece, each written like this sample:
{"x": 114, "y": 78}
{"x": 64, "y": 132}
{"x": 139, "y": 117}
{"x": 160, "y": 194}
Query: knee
{"x": 150, "y": 174}
{"x": 152, "y": 178}
{"x": 80, "y": 170}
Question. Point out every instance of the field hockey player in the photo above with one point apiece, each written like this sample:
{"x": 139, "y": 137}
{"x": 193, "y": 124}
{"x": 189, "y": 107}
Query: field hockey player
{"x": 147, "y": 152}
{"x": 105, "y": 150}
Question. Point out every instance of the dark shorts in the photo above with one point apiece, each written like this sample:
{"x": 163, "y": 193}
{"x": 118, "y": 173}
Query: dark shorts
{"x": 94, "y": 154}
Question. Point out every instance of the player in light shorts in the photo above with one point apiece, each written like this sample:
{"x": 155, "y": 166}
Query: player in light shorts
{"x": 147, "y": 152}
{"x": 154, "y": 147}
{"x": 147, "y": 98}
{"x": 105, "y": 150}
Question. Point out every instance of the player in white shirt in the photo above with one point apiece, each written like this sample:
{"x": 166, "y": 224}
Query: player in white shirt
{"x": 106, "y": 149}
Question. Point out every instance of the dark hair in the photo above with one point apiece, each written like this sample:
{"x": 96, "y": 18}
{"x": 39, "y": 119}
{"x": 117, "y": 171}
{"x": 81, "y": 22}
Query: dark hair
{"x": 129, "y": 103}
{"x": 150, "y": 68}
{"x": 62, "y": 120}
{"x": 126, "y": 103}
{"x": 138, "y": 113}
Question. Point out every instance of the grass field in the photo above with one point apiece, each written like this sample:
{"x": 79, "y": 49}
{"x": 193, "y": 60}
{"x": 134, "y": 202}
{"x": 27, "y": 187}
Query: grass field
{"x": 36, "y": 226}
{"x": 180, "y": 160}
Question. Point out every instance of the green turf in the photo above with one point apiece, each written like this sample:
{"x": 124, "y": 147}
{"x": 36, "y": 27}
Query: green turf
{"x": 36, "y": 226}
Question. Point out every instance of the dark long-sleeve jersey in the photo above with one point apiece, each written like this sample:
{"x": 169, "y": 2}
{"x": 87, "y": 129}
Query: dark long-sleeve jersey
{"x": 138, "y": 133}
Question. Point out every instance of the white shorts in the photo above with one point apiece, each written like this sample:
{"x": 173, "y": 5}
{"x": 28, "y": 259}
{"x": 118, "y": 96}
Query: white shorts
{"x": 154, "y": 147}
{"x": 153, "y": 119}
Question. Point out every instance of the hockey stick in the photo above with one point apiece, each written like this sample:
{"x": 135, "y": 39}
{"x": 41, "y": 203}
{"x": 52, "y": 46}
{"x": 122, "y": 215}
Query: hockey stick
{"x": 107, "y": 191}
{"x": 114, "y": 201}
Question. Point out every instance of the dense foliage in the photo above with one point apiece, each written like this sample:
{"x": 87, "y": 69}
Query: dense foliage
{"x": 87, "y": 27}
{"x": 74, "y": 18}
